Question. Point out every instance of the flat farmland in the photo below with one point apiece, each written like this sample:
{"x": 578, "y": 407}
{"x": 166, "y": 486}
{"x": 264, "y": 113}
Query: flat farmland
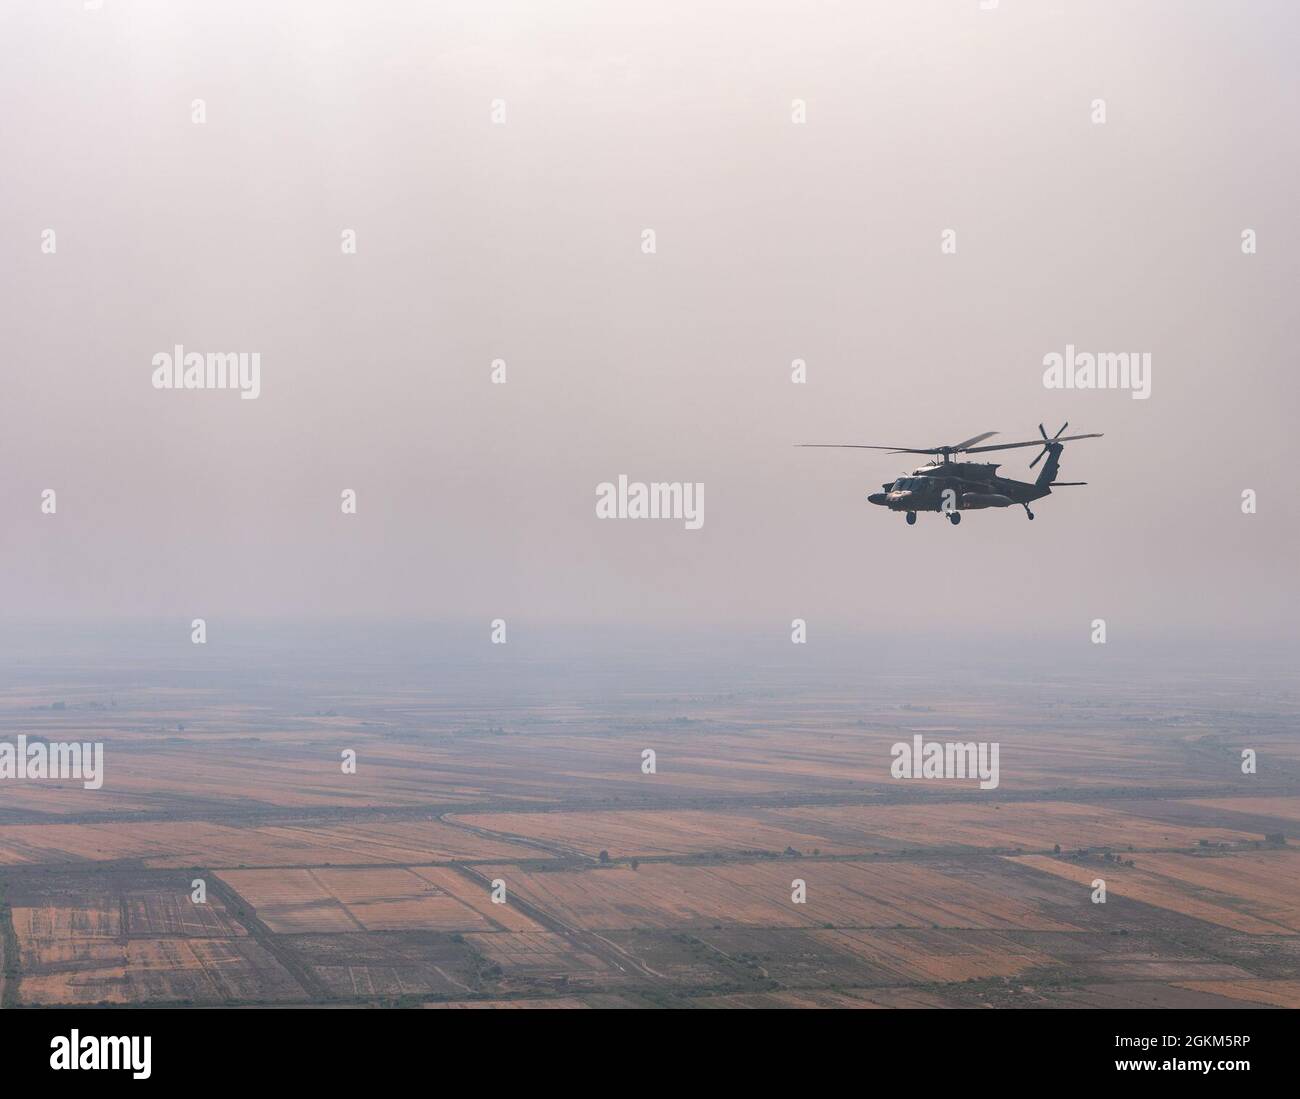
{"x": 371, "y": 965}
{"x": 809, "y": 958}
{"x": 1261, "y": 993}
{"x": 1152, "y": 995}
{"x": 475, "y": 897}
{"x": 191, "y": 843}
{"x": 1284, "y": 809}
{"x": 49, "y": 925}
{"x": 771, "y": 757}
{"x": 1256, "y": 892}
{"x": 876, "y": 894}
{"x": 850, "y": 829}
{"x": 55, "y": 933}
{"x": 374, "y": 887}
{"x": 143, "y": 971}
{"x": 1002, "y": 826}
{"x": 121, "y": 940}
{"x": 171, "y": 912}
{"x": 530, "y": 957}
{"x": 555, "y": 1003}
{"x": 647, "y": 832}
{"x": 932, "y": 956}
{"x": 250, "y": 758}
{"x": 393, "y": 899}
{"x": 858, "y": 998}
{"x": 276, "y": 770}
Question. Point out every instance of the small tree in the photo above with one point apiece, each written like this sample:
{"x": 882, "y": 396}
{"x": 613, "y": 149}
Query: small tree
{"x": 603, "y": 856}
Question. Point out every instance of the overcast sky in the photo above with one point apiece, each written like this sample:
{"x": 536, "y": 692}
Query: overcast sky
{"x": 523, "y": 241}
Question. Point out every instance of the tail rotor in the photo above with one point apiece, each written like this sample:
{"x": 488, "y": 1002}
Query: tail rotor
{"x": 1047, "y": 443}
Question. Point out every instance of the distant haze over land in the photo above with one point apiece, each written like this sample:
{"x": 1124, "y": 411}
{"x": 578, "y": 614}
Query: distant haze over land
{"x": 521, "y": 242}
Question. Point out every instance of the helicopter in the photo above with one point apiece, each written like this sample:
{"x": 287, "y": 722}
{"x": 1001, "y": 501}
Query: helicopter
{"x": 951, "y": 487}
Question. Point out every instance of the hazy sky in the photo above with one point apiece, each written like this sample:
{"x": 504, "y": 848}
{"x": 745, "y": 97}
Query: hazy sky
{"x": 522, "y": 241}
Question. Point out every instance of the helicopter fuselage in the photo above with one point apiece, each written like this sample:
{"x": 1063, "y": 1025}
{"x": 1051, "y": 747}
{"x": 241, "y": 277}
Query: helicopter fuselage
{"x": 952, "y": 487}
{"x": 961, "y": 486}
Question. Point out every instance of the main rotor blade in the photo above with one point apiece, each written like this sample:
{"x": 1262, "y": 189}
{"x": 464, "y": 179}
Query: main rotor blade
{"x": 973, "y": 440}
{"x": 1035, "y": 442}
{"x": 863, "y": 446}
{"x": 963, "y": 445}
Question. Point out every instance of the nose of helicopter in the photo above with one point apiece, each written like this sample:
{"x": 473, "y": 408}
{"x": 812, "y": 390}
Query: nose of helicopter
{"x": 876, "y": 498}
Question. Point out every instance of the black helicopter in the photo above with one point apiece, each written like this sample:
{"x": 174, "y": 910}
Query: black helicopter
{"x": 953, "y": 487}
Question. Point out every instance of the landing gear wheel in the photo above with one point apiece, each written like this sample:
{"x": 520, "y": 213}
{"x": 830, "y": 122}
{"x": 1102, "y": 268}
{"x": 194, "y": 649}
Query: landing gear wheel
{"x": 911, "y": 518}
{"x": 954, "y": 517}
{"x": 1029, "y": 513}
